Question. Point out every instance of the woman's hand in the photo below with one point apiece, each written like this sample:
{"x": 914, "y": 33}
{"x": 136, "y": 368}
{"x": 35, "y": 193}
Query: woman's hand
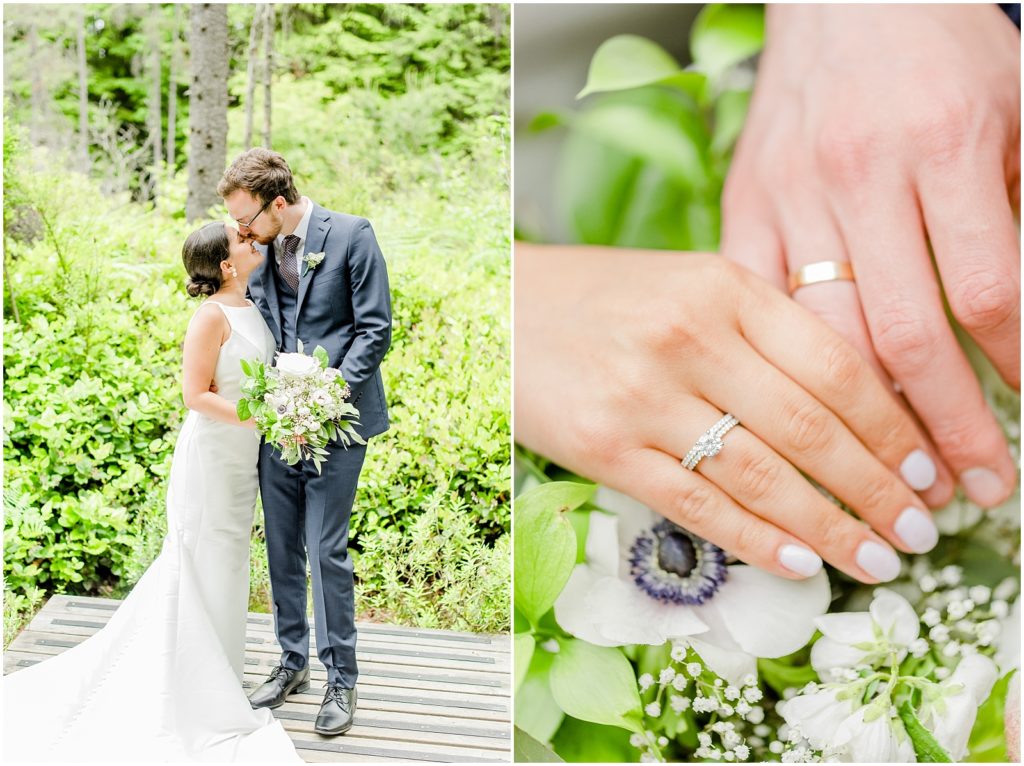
{"x": 623, "y": 358}
{"x": 876, "y": 130}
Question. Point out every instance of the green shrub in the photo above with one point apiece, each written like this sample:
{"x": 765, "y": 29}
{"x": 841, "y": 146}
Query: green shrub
{"x": 438, "y": 573}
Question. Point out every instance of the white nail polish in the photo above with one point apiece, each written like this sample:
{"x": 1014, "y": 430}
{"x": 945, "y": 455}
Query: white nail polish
{"x": 800, "y": 560}
{"x": 878, "y": 561}
{"x": 916, "y": 529}
{"x": 918, "y": 470}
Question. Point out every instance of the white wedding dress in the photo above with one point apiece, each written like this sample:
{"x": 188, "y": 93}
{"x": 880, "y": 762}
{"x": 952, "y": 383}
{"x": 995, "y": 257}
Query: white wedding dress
{"x": 162, "y": 681}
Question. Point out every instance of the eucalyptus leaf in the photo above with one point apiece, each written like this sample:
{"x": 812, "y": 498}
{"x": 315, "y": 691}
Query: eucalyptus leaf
{"x": 524, "y": 646}
{"x": 529, "y": 750}
{"x": 724, "y": 34}
{"x": 545, "y": 121}
{"x": 596, "y": 684}
{"x": 928, "y": 750}
{"x": 545, "y": 544}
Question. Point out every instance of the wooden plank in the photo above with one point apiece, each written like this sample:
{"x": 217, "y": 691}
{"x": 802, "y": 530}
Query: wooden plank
{"x": 259, "y": 626}
{"x": 110, "y": 604}
{"x": 424, "y": 694}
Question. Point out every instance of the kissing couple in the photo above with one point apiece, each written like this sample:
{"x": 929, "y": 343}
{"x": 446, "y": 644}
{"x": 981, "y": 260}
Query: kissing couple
{"x": 288, "y": 271}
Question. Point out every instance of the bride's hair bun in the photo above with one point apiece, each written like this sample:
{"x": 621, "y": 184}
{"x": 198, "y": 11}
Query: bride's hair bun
{"x": 199, "y": 286}
{"x": 202, "y": 253}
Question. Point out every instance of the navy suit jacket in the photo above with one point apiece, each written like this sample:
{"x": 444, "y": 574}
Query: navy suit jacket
{"x": 344, "y": 305}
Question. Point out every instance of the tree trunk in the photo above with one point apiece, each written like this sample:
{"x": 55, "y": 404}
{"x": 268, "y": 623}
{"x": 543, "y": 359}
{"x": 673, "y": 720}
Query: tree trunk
{"x": 154, "y": 111}
{"x": 172, "y": 90}
{"x": 83, "y": 99}
{"x": 208, "y": 106}
{"x": 268, "y": 69}
{"x": 37, "y": 94}
{"x": 250, "y": 74}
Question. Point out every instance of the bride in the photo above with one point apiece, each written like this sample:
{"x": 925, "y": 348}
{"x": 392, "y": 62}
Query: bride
{"x": 163, "y": 679}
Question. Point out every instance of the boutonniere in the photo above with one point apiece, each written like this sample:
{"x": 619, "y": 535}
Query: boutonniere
{"x": 312, "y": 260}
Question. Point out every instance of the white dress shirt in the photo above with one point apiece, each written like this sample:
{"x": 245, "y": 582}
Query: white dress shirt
{"x": 300, "y": 232}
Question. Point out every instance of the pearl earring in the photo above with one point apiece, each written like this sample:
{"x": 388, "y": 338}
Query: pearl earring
{"x": 234, "y": 271}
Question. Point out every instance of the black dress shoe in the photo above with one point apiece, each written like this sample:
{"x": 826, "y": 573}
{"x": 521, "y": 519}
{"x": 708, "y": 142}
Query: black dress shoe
{"x": 336, "y": 711}
{"x": 282, "y": 682}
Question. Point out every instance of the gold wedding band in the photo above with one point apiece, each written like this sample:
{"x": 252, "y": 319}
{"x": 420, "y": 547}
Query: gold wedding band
{"x": 822, "y": 271}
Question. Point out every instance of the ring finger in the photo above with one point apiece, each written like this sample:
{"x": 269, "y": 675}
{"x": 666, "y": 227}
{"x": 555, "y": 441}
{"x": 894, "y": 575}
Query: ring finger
{"x": 767, "y": 486}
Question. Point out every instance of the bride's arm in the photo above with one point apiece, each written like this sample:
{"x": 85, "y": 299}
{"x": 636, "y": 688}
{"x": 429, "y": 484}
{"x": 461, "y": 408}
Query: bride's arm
{"x": 208, "y": 330}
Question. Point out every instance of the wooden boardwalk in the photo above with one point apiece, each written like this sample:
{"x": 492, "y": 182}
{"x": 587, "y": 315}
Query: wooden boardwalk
{"x": 424, "y": 695}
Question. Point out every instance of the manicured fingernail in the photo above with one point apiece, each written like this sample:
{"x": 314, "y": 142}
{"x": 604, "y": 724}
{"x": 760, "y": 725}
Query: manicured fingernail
{"x": 916, "y": 529}
{"x": 800, "y": 560}
{"x": 878, "y": 561}
{"x": 918, "y": 470}
{"x": 983, "y": 486}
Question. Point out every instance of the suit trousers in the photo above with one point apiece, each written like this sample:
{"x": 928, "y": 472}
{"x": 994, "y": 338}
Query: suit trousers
{"x": 307, "y": 515}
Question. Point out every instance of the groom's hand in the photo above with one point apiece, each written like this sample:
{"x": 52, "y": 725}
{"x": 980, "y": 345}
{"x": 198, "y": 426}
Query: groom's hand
{"x": 874, "y": 130}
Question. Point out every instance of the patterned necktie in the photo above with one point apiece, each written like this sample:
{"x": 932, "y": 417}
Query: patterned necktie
{"x": 289, "y": 268}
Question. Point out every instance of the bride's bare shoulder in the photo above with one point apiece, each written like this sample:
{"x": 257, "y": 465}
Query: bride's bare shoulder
{"x": 208, "y": 323}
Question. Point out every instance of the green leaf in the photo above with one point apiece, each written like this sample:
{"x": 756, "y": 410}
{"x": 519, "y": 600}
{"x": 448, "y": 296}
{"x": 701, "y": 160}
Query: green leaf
{"x": 582, "y": 742}
{"x": 988, "y": 737}
{"x": 781, "y": 676}
{"x": 596, "y": 684}
{"x": 545, "y": 121}
{"x": 652, "y": 136}
{"x": 580, "y": 521}
{"x": 724, "y": 35}
{"x": 730, "y": 113}
{"x": 246, "y": 367}
{"x": 927, "y": 749}
{"x": 545, "y": 544}
{"x": 320, "y": 354}
{"x": 243, "y": 409}
{"x": 524, "y": 646}
{"x": 630, "y": 61}
{"x": 529, "y": 750}
{"x": 536, "y": 712}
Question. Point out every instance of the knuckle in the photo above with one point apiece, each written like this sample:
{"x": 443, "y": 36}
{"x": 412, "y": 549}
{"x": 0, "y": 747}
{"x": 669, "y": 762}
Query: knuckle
{"x": 596, "y": 439}
{"x": 875, "y": 493}
{"x": 810, "y": 429}
{"x": 843, "y": 366}
{"x": 964, "y": 440}
{"x": 984, "y": 301}
{"x": 833, "y": 532}
{"x": 750, "y": 539}
{"x": 758, "y": 477}
{"x": 905, "y": 339}
{"x": 693, "y": 507}
{"x": 942, "y": 130}
{"x": 846, "y": 151}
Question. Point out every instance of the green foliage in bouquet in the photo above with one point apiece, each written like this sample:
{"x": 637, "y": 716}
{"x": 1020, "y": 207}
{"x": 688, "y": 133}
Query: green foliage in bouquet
{"x": 299, "y": 413}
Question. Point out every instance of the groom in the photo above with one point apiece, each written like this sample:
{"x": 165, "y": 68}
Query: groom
{"x": 343, "y": 304}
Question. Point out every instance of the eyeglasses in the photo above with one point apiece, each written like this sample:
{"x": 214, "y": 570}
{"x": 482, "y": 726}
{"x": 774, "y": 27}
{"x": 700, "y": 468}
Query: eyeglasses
{"x": 249, "y": 224}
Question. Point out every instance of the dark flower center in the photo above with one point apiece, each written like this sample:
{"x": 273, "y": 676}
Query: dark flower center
{"x": 677, "y": 554}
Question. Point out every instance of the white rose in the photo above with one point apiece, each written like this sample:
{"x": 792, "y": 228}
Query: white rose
{"x": 298, "y": 365}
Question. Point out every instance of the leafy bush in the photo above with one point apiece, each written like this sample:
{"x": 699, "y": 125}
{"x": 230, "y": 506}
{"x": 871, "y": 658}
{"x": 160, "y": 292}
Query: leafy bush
{"x": 438, "y": 573}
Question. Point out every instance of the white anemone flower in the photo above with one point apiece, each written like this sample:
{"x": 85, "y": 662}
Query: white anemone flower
{"x": 817, "y": 714}
{"x": 648, "y": 581}
{"x": 851, "y": 639}
{"x": 950, "y": 715}
{"x": 872, "y": 735}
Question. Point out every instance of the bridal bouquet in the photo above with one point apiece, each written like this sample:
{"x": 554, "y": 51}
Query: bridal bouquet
{"x": 300, "y": 404}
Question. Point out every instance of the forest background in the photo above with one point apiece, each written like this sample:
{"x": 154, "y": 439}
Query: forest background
{"x": 118, "y": 121}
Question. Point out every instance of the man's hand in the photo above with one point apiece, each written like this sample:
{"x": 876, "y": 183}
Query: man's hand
{"x": 874, "y": 131}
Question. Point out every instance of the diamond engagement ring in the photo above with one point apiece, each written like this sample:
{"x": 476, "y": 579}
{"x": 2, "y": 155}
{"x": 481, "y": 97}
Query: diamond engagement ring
{"x": 710, "y": 442}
